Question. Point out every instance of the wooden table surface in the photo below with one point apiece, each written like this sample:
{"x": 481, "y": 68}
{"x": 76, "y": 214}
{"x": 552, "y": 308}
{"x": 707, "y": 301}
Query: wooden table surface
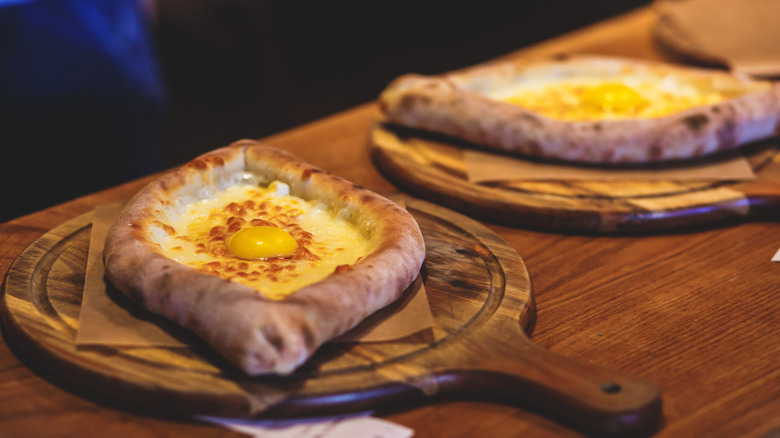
{"x": 696, "y": 312}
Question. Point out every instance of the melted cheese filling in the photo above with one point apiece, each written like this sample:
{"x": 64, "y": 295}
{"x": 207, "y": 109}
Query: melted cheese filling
{"x": 325, "y": 241}
{"x": 619, "y": 97}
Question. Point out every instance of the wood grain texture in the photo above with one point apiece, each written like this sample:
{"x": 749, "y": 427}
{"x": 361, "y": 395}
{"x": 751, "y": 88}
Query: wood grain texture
{"x": 480, "y": 295}
{"x": 432, "y": 166}
{"x": 696, "y": 312}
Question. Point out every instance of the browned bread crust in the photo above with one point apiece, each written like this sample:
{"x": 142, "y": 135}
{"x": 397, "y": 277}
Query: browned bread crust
{"x": 459, "y": 104}
{"x": 258, "y": 334}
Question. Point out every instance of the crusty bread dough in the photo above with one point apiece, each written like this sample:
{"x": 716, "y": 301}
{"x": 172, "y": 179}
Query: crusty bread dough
{"x": 463, "y": 105}
{"x": 257, "y": 334}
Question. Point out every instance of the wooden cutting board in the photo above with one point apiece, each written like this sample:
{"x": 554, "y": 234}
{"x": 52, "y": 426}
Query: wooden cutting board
{"x": 480, "y": 295}
{"x": 432, "y": 167}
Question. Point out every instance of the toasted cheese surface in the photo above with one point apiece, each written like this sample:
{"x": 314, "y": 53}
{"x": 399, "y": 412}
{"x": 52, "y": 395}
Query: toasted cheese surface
{"x": 621, "y": 95}
{"x": 198, "y": 236}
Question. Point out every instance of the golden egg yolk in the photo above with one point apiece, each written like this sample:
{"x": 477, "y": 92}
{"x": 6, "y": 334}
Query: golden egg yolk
{"x": 613, "y": 98}
{"x": 255, "y": 243}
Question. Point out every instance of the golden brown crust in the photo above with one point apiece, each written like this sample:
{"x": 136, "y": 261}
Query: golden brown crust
{"x": 459, "y": 104}
{"x": 258, "y": 334}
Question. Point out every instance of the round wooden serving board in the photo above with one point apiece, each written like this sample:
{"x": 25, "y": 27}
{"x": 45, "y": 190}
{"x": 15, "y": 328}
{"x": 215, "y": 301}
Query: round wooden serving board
{"x": 482, "y": 303}
{"x": 432, "y": 167}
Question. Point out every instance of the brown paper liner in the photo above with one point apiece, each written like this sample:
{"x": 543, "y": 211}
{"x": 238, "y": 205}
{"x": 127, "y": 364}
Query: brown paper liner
{"x": 109, "y": 318}
{"x": 488, "y": 167}
{"x": 741, "y": 34}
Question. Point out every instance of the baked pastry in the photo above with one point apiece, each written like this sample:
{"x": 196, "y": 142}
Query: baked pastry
{"x": 589, "y": 109}
{"x": 262, "y": 255}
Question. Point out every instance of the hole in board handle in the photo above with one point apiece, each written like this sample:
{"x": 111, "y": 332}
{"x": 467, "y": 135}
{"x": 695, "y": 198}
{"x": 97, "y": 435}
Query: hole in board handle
{"x": 610, "y": 387}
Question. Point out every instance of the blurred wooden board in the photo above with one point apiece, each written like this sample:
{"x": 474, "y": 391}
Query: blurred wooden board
{"x": 482, "y": 302}
{"x": 432, "y": 167}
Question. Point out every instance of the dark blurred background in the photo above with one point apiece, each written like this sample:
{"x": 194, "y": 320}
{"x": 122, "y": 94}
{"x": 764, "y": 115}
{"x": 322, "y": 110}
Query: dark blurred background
{"x": 95, "y": 93}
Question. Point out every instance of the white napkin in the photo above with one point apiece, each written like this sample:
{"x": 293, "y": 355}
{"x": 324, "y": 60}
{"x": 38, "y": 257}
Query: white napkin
{"x": 353, "y": 426}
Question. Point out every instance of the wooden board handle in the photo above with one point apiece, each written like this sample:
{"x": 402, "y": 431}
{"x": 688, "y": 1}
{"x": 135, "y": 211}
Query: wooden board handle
{"x": 586, "y": 397}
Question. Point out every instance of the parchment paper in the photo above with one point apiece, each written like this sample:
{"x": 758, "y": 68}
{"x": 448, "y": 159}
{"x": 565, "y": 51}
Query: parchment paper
{"x": 488, "y": 167}
{"x": 742, "y": 34}
{"x": 107, "y": 317}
